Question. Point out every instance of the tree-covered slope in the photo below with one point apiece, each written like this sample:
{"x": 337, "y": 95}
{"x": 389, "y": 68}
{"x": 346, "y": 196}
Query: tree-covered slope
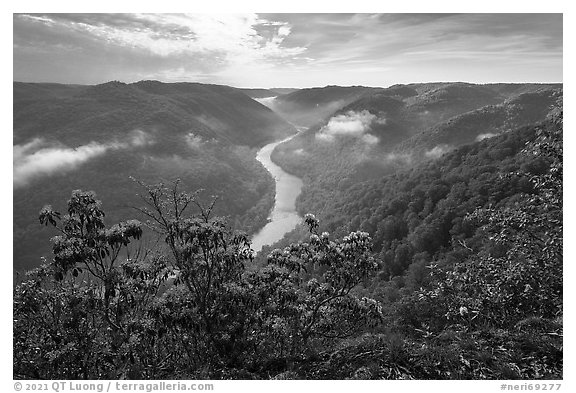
{"x": 396, "y": 128}
{"x": 114, "y": 108}
{"x": 470, "y": 252}
{"x": 485, "y": 122}
{"x": 96, "y": 137}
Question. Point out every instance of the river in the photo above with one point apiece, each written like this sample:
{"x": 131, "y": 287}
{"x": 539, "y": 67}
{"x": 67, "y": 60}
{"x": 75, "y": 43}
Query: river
{"x": 283, "y": 217}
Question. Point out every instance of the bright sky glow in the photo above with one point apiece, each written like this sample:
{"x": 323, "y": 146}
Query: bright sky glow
{"x": 288, "y": 50}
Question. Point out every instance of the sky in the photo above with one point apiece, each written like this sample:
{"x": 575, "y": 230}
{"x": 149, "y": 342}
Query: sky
{"x": 288, "y": 50}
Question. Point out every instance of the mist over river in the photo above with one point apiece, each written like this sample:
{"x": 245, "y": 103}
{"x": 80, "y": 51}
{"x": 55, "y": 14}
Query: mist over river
{"x": 283, "y": 217}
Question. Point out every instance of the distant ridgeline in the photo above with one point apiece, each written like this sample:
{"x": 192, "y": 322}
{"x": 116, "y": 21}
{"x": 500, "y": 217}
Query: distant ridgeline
{"x": 434, "y": 250}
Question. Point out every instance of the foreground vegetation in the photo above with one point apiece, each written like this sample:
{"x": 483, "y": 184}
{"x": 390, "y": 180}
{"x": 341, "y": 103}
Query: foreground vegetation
{"x": 480, "y": 298}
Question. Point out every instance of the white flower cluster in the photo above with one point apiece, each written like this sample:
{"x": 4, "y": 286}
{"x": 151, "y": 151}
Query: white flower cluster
{"x": 357, "y": 236}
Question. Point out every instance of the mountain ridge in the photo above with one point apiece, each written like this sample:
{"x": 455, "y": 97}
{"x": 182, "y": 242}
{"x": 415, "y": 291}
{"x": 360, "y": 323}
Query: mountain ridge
{"x": 382, "y": 132}
{"x": 95, "y": 137}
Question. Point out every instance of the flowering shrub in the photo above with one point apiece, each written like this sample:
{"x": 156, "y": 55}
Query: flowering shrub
{"x": 190, "y": 307}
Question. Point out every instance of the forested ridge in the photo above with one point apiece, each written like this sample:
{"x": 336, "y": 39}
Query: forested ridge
{"x": 95, "y": 137}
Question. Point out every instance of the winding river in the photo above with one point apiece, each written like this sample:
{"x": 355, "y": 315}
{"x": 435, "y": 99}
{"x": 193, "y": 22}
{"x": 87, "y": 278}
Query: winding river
{"x": 283, "y": 217}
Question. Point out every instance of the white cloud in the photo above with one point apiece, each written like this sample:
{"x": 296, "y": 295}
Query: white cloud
{"x": 352, "y": 123}
{"x": 355, "y": 124}
{"x": 298, "y": 50}
{"x": 438, "y": 151}
{"x": 484, "y": 136}
{"x": 404, "y": 158}
{"x": 193, "y": 141}
{"x": 139, "y": 138}
{"x": 323, "y": 137}
{"x": 48, "y": 160}
{"x": 267, "y": 101}
{"x": 21, "y": 150}
{"x": 37, "y": 157}
{"x": 234, "y": 37}
{"x": 284, "y": 30}
{"x": 370, "y": 139}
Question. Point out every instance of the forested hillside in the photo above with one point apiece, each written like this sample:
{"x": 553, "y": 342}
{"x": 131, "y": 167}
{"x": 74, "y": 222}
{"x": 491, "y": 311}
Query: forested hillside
{"x": 95, "y": 137}
{"x": 453, "y": 270}
{"x": 396, "y": 128}
{"x": 81, "y": 113}
{"x": 470, "y": 251}
{"x": 485, "y": 122}
{"x": 466, "y": 220}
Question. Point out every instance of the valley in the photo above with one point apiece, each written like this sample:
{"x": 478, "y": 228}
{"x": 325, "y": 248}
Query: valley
{"x": 397, "y": 196}
{"x": 159, "y": 132}
{"x": 289, "y": 196}
{"x": 97, "y": 137}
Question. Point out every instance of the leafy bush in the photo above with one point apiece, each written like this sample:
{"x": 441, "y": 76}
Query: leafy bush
{"x": 101, "y": 310}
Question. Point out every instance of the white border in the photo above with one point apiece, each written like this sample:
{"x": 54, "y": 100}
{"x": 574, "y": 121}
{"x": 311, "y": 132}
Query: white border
{"x": 212, "y": 6}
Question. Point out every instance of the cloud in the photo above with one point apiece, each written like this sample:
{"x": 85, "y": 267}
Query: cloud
{"x": 195, "y": 142}
{"x": 403, "y": 158}
{"x": 40, "y": 158}
{"x": 370, "y": 139}
{"x": 139, "y": 138}
{"x": 353, "y": 124}
{"x": 233, "y": 38}
{"x": 322, "y": 137}
{"x": 438, "y": 151}
{"x": 297, "y": 50}
{"x": 267, "y": 101}
{"x": 484, "y": 136}
{"x": 49, "y": 160}
{"x": 21, "y": 150}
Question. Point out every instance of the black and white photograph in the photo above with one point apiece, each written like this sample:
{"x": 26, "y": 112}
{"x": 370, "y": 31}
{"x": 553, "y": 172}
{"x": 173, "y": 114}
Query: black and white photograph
{"x": 287, "y": 196}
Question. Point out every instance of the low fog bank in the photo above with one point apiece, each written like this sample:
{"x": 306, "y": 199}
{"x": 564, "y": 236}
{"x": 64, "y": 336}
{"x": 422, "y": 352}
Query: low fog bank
{"x": 40, "y": 157}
